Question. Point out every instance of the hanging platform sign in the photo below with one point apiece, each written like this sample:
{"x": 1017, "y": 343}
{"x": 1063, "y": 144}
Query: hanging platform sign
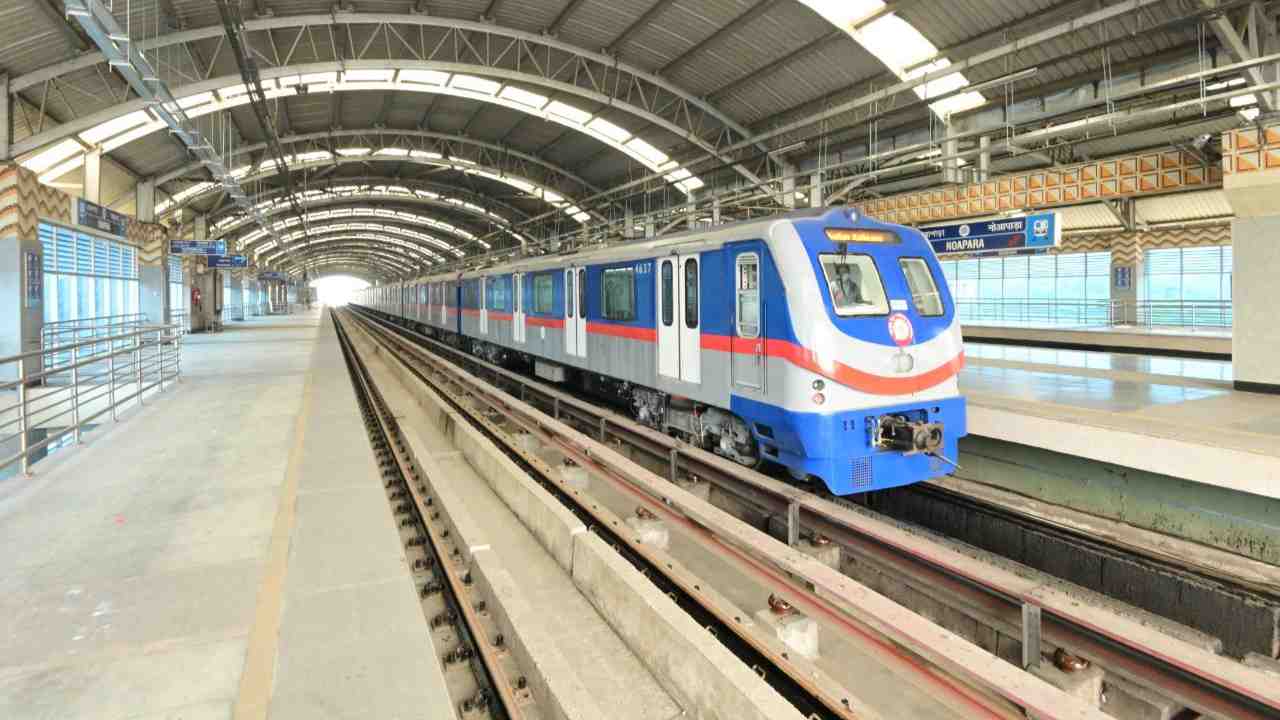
{"x": 1033, "y": 233}
{"x": 273, "y": 275}
{"x": 97, "y": 217}
{"x": 228, "y": 261}
{"x": 198, "y": 247}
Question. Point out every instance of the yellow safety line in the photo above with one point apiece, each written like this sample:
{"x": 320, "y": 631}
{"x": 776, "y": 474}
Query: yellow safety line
{"x": 256, "y": 681}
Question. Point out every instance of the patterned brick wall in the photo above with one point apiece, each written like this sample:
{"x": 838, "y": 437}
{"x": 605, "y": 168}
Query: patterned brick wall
{"x": 1251, "y": 149}
{"x": 1126, "y": 176}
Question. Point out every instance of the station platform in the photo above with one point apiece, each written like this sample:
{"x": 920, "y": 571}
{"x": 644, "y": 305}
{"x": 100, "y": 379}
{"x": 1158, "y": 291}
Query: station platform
{"x": 1172, "y": 416}
{"x": 225, "y": 551}
{"x": 1210, "y": 343}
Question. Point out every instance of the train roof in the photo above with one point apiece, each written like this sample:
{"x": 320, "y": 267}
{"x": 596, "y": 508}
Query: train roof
{"x": 699, "y": 239}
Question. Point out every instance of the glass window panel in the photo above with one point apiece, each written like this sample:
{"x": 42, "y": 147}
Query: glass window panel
{"x": 543, "y": 294}
{"x": 691, "y": 293}
{"x": 618, "y": 294}
{"x": 668, "y": 293}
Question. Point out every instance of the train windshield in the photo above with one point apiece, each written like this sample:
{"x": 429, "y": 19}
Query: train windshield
{"x": 924, "y": 292}
{"x": 854, "y": 284}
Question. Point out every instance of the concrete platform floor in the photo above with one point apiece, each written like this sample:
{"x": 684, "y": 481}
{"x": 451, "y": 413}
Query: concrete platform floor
{"x": 223, "y": 552}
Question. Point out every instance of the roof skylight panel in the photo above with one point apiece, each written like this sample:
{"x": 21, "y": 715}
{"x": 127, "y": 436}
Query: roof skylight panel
{"x": 478, "y": 85}
{"x": 56, "y": 154}
{"x": 424, "y": 77}
{"x": 114, "y": 127}
{"x": 608, "y": 130}
{"x": 523, "y": 97}
{"x": 567, "y": 112}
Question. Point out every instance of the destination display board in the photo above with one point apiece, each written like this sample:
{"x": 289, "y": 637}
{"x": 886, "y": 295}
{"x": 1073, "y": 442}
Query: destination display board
{"x": 198, "y": 247}
{"x": 97, "y": 217}
{"x": 1032, "y": 233}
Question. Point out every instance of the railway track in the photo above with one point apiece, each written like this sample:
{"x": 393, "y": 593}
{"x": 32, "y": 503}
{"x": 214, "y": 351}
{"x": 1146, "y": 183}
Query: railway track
{"x": 1043, "y": 617}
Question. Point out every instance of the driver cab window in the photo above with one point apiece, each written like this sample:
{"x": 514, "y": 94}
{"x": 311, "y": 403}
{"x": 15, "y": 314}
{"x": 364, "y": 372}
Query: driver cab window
{"x": 748, "y": 295}
{"x": 854, "y": 285}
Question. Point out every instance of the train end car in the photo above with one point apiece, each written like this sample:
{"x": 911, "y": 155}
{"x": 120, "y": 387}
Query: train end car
{"x": 862, "y": 350}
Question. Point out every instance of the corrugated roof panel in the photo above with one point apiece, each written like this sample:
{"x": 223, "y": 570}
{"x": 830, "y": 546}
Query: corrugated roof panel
{"x": 1184, "y": 207}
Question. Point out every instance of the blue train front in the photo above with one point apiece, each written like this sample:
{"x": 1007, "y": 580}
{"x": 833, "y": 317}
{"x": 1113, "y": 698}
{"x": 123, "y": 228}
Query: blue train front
{"x": 821, "y": 341}
{"x": 862, "y": 349}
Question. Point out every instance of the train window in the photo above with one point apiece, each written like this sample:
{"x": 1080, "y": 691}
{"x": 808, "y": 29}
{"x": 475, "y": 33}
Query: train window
{"x": 691, "y": 293}
{"x": 748, "y": 295}
{"x": 618, "y": 293}
{"x": 543, "y": 294}
{"x": 582, "y": 292}
{"x": 668, "y": 294}
{"x": 854, "y": 284}
{"x": 924, "y": 291}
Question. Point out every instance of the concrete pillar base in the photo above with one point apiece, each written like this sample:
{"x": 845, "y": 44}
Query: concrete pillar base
{"x": 798, "y": 632}
{"x": 653, "y": 533}
{"x": 1084, "y": 685}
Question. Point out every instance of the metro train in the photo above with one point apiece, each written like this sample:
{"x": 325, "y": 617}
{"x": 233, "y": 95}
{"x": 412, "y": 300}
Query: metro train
{"x": 822, "y": 341}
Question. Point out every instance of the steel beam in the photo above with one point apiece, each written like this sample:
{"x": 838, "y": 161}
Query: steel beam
{"x": 1246, "y": 46}
{"x": 620, "y": 90}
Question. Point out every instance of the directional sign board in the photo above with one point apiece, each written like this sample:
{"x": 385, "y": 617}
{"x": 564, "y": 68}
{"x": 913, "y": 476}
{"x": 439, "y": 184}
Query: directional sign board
{"x": 1033, "y": 233}
{"x": 272, "y": 275}
{"x": 228, "y": 261}
{"x": 198, "y": 247}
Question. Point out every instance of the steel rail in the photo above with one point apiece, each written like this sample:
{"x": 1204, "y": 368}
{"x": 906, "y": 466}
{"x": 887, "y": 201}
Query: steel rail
{"x": 482, "y": 651}
{"x": 969, "y": 676}
{"x": 1204, "y": 681}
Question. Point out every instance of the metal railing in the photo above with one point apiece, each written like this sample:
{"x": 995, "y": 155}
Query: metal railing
{"x": 1032, "y": 313}
{"x": 1193, "y": 314}
{"x": 62, "y": 400}
{"x": 1189, "y": 314}
{"x": 68, "y": 332}
{"x": 180, "y": 320}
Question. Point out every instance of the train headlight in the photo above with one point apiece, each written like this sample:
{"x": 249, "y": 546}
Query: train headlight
{"x": 819, "y": 398}
{"x": 819, "y": 385}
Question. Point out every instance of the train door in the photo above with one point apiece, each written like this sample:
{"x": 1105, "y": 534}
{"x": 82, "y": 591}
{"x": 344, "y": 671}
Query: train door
{"x": 570, "y": 324}
{"x": 444, "y": 304}
{"x": 580, "y": 321}
{"x": 679, "y": 318}
{"x": 747, "y": 351}
{"x": 517, "y": 307}
{"x": 484, "y": 306}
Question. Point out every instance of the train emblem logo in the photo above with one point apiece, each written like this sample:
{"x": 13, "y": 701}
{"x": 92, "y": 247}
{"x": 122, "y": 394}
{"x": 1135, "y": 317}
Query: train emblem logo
{"x": 1040, "y": 228}
{"x": 900, "y": 329}
{"x": 964, "y": 231}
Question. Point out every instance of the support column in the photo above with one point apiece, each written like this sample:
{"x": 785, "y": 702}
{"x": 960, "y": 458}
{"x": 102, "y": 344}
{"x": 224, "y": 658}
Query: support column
{"x": 817, "y": 198}
{"x": 628, "y": 224}
{"x": 984, "y": 158}
{"x": 93, "y": 176}
{"x": 21, "y": 279}
{"x": 715, "y": 211}
{"x": 145, "y": 200}
{"x": 204, "y": 317}
{"x": 153, "y": 262}
{"x": 6, "y": 119}
{"x": 235, "y": 303}
{"x": 1251, "y": 180}
{"x": 788, "y": 185}
{"x": 950, "y": 163}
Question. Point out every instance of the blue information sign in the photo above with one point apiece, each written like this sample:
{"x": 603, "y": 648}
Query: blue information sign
{"x": 272, "y": 275}
{"x": 95, "y": 216}
{"x": 198, "y": 247}
{"x": 1034, "y": 232}
{"x": 228, "y": 261}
